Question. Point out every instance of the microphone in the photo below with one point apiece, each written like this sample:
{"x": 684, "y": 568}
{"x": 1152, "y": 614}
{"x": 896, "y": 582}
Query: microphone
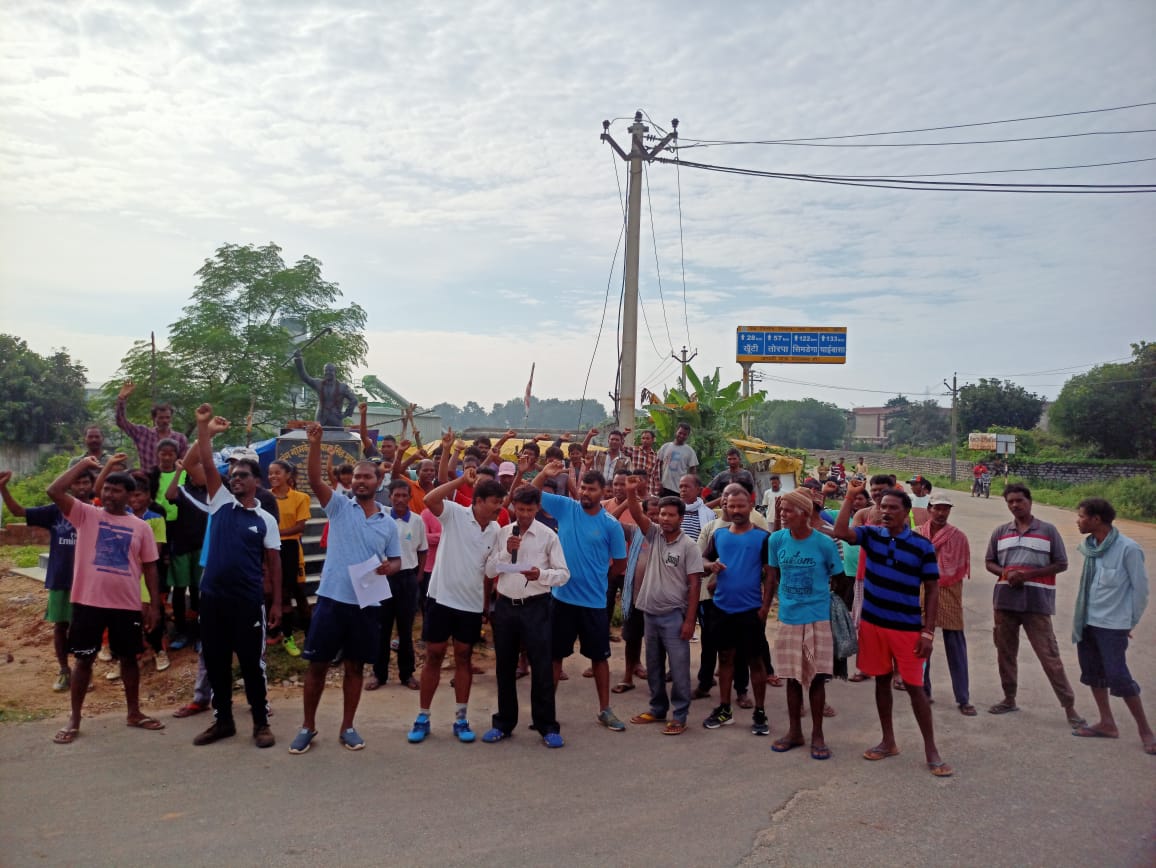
{"x": 517, "y": 531}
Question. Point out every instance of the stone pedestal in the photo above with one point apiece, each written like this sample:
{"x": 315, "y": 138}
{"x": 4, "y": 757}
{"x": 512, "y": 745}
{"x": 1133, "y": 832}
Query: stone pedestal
{"x": 345, "y": 446}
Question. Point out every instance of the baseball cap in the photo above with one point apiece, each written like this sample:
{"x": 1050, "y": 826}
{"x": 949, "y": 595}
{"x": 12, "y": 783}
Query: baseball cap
{"x": 915, "y": 479}
{"x": 507, "y": 468}
{"x": 243, "y": 452}
{"x": 940, "y": 500}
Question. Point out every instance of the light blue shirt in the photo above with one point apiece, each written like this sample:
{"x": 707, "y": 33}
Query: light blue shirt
{"x": 589, "y": 543}
{"x": 1119, "y": 592}
{"x": 353, "y": 539}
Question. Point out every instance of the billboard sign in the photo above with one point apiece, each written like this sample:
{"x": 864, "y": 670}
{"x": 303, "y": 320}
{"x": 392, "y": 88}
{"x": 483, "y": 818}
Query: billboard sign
{"x": 1001, "y": 444}
{"x": 816, "y": 345}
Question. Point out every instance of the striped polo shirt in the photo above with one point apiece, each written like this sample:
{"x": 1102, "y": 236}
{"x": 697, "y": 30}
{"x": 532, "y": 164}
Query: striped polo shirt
{"x": 1038, "y": 546}
{"x": 896, "y": 568}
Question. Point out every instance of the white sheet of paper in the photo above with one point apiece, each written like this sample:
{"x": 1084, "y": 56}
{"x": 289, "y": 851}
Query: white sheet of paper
{"x": 512, "y": 568}
{"x": 369, "y": 587}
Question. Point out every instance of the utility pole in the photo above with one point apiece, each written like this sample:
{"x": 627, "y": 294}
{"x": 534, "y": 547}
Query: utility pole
{"x": 954, "y": 420}
{"x": 684, "y": 360}
{"x": 638, "y": 152}
{"x": 746, "y": 394}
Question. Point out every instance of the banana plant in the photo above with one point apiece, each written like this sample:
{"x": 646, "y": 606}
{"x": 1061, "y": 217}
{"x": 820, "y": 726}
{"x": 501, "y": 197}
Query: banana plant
{"x": 713, "y": 411}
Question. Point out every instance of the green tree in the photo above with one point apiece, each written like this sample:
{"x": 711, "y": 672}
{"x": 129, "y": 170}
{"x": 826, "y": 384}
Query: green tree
{"x": 42, "y": 399}
{"x": 1112, "y": 407}
{"x": 229, "y": 349}
{"x": 713, "y": 411}
{"x": 799, "y": 424}
{"x": 923, "y": 423}
{"x": 996, "y": 402}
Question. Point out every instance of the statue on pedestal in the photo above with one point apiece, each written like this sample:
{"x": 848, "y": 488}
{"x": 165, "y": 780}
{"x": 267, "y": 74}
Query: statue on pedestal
{"x": 335, "y": 400}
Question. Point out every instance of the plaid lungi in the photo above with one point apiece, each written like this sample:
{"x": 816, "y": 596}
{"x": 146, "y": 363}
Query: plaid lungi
{"x": 803, "y": 651}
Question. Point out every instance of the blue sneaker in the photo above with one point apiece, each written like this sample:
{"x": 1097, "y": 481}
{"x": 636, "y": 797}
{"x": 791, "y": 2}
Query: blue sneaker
{"x": 350, "y": 740}
{"x": 494, "y": 735}
{"x": 420, "y": 729}
{"x": 178, "y": 642}
{"x": 303, "y": 741}
{"x": 553, "y": 739}
{"x": 463, "y": 732}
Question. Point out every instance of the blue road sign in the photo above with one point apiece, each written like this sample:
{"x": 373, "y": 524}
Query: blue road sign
{"x": 806, "y": 344}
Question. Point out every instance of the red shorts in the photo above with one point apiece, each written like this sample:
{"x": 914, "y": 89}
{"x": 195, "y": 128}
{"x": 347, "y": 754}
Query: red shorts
{"x": 879, "y": 646}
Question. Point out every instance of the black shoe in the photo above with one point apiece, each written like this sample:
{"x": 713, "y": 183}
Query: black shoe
{"x": 217, "y": 731}
{"x": 263, "y": 736}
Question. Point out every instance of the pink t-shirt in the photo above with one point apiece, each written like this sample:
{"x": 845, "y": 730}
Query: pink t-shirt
{"x": 110, "y": 553}
{"x": 433, "y": 536}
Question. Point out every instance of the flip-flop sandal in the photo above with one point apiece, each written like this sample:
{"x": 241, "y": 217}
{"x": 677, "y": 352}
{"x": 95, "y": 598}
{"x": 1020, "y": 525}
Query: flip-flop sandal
{"x": 940, "y": 770}
{"x": 521, "y": 673}
{"x": 1150, "y": 749}
{"x": 857, "y": 677}
{"x": 968, "y": 710}
{"x": 898, "y": 685}
{"x": 774, "y": 681}
{"x": 563, "y": 676}
{"x": 621, "y": 687}
{"x": 146, "y": 722}
{"x": 829, "y": 711}
{"x": 640, "y": 672}
{"x": 782, "y": 745}
{"x": 1091, "y": 732}
{"x": 820, "y": 753}
{"x": 1076, "y": 722}
{"x": 745, "y": 701}
{"x": 66, "y": 736}
{"x": 589, "y": 673}
{"x": 1003, "y": 707}
{"x": 874, "y": 753}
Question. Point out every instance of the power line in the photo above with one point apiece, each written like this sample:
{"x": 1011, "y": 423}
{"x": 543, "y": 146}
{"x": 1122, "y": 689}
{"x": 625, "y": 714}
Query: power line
{"x": 605, "y": 302}
{"x": 933, "y": 144}
{"x": 921, "y": 129}
{"x": 892, "y": 183}
{"x": 657, "y": 269}
{"x": 1006, "y": 171}
{"x": 1039, "y": 373}
{"x": 842, "y": 388}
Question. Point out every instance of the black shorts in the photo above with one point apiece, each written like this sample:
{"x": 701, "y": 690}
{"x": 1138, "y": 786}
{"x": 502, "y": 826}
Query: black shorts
{"x": 738, "y": 631}
{"x": 343, "y": 631}
{"x": 90, "y": 622}
{"x": 442, "y": 622}
{"x": 590, "y": 626}
{"x": 634, "y": 627}
{"x": 290, "y": 567}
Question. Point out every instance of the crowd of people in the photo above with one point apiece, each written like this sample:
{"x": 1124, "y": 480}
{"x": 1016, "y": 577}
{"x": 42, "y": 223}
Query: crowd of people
{"x": 546, "y": 548}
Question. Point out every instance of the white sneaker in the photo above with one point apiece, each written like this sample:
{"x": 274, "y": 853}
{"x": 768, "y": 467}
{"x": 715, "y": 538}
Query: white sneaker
{"x": 163, "y": 661}
{"x": 105, "y": 654}
{"x": 113, "y": 674}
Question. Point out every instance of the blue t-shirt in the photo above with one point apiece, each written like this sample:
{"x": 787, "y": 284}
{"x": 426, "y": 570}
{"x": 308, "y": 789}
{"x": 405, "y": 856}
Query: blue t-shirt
{"x": 238, "y": 537}
{"x": 354, "y": 538}
{"x": 805, "y": 569}
{"x": 589, "y": 543}
{"x": 61, "y": 545}
{"x": 740, "y": 585}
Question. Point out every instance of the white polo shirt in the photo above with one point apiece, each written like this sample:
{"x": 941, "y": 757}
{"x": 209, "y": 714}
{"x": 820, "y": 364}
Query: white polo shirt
{"x": 458, "y": 578}
{"x": 411, "y": 535}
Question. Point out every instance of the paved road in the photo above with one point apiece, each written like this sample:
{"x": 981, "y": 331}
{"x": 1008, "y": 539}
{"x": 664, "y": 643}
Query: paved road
{"x": 1026, "y": 792}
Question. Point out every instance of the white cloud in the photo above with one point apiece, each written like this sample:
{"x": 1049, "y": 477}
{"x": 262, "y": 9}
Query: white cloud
{"x": 443, "y": 163}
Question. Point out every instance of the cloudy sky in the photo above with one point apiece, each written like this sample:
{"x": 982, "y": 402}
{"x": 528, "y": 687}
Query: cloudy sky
{"x": 443, "y": 162}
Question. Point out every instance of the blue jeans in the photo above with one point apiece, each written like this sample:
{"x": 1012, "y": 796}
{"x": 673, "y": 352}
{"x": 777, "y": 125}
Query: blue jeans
{"x": 663, "y": 643}
{"x": 955, "y": 646}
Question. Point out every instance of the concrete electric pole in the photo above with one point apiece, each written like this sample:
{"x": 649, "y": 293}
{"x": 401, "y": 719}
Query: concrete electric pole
{"x": 627, "y": 399}
{"x": 954, "y": 420}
